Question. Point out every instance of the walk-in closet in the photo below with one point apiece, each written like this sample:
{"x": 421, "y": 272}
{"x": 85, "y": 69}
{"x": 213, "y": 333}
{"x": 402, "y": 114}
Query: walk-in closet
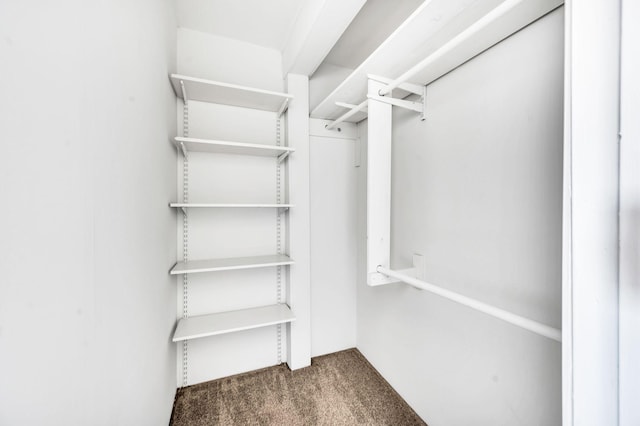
{"x": 320, "y": 212}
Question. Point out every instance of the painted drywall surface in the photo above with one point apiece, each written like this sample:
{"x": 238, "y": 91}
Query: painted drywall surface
{"x": 333, "y": 189}
{"x": 231, "y": 61}
{"x": 86, "y": 304}
{"x": 630, "y": 219}
{"x": 476, "y": 189}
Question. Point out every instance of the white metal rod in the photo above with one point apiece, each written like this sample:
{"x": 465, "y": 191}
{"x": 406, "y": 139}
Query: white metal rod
{"x": 346, "y": 105}
{"x": 522, "y": 322}
{"x": 348, "y": 114}
{"x": 468, "y": 33}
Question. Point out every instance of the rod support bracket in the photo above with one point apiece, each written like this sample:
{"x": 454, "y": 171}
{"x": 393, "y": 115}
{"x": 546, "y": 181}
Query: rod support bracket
{"x": 417, "y": 271}
{"x": 402, "y": 103}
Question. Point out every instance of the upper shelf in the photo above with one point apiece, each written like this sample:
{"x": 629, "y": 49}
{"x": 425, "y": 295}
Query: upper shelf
{"x": 434, "y": 24}
{"x": 227, "y": 147}
{"x": 198, "y": 89}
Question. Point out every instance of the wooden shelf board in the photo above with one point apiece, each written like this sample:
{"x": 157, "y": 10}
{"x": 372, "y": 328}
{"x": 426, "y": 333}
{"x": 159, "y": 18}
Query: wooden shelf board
{"x": 232, "y": 321}
{"x": 212, "y": 265}
{"x": 228, "y": 147}
{"x": 198, "y": 89}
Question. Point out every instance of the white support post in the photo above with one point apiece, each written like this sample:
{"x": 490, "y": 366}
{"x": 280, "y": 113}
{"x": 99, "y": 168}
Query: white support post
{"x": 378, "y": 188}
{"x": 591, "y": 275}
{"x": 299, "y": 288}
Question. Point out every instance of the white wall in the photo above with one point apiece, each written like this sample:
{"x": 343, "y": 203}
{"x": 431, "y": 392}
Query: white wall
{"x": 86, "y": 304}
{"x": 231, "y": 61}
{"x": 630, "y": 218}
{"x": 334, "y": 202}
{"x": 476, "y": 189}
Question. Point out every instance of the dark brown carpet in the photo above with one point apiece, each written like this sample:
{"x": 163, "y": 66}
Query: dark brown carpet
{"x": 337, "y": 389}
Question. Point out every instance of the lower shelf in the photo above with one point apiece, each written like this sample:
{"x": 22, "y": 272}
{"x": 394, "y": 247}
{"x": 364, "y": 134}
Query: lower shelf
{"x": 213, "y": 265}
{"x": 229, "y": 322}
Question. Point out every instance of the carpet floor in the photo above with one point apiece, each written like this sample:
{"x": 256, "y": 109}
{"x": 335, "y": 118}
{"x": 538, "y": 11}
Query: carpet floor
{"x": 337, "y": 389}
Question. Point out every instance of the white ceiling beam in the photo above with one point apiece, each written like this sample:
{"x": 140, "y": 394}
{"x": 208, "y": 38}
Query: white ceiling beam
{"x": 431, "y": 26}
{"x": 318, "y": 27}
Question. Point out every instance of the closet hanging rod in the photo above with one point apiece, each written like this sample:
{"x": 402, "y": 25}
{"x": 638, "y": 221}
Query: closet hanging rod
{"x": 347, "y": 114}
{"x": 348, "y": 106}
{"x": 517, "y": 320}
{"x": 452, "y": 44}
{"x": 468, "y": 33}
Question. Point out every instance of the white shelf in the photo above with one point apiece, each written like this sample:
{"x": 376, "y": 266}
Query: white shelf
{"x": 432, "y": 25}
{"x": 241, "y": 206}
{"x": 212, "y": 265}
{"x": 227, "y": 147}
{"x": 229, "y": 322}
{"x": 198, "y": 89}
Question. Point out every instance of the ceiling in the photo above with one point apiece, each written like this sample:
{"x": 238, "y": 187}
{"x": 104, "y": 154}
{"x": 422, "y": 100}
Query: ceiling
{"x": 374, "y": 23}
{"x": 266, "y": 23}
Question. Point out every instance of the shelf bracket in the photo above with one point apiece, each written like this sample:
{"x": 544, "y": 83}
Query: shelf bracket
{"x": 423, "y": 116}
{"x": 183, "y": 148}
{"x": 283, "y": 156}
{"x": 283, "y": 107}
{"x": 184, "y": 91}
{"x": 184, "y": 210}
